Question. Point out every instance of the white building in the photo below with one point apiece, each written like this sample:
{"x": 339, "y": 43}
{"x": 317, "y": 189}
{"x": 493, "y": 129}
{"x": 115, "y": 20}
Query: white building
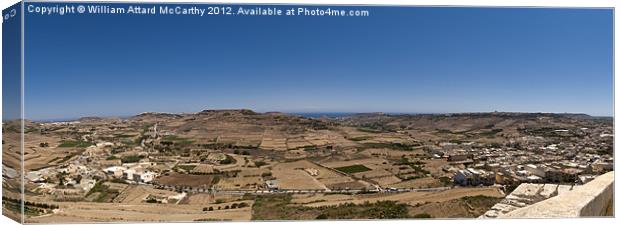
{"x": 535, "y": 170}
{"x": 139, "y": 174}
{"x": 87, "y": 184}
{"x": 471, "y": 176}
{"x": 147, "y": 176}
{"x": 116, "y": 171}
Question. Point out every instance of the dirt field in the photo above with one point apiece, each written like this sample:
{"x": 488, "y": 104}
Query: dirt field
{"x": 313, "y": 198}
{"x": 37, "y": 157}
{"x": 107, "y": 212}
{"x": 187, "y": 180}
{"x": 456, "y": 208}
{"x": 293, "y": 176}
{"x": 385, "y": 181}
{"x": 389, "y": 153}
{"x": 372, "y": 163}
{"x": 413, "y": 198}
{"x": 243, "y": 183}
{"x": 434, "y": 166}
{"x": 137, "y": 194}
{"x": 200, "y": 199}
{"x": 426, "y": 182}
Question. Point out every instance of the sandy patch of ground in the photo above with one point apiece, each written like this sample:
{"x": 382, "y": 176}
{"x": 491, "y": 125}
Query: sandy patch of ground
{"x": 293, "y": 176}
{"x": 386, "y": 180}
{"x": 200, "y": 199}
{"x": 425, "y": 182}
{"x": 389, "y": 153}
{"x": 372, "y": 163}
{"x": 107, "y": 212}
{"x": 413, "y": 198}
{"x": 186, "y": 180}
{"x": 136, "y": 194}
{"x": 306, "y": 199}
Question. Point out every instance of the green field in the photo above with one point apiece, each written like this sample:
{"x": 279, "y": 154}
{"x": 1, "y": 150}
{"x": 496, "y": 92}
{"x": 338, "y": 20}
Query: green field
{"x": 362, "y": 138}
{"x": 177, "y": 140}
{"x": 353, "y": 169}
{"x": 132, "y": 158}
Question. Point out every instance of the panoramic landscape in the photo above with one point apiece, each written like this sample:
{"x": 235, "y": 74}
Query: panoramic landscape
{"x": 244, "y": 165}
{"x": 404, "y": 113}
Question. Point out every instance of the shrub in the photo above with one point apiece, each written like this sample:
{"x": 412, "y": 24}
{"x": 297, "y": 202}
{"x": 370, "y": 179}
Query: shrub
{"x": 152, "y": 200}
{"x": 321, "y": 217}
{"x": 131, "y": 158}
{"x": 422, "y": 215}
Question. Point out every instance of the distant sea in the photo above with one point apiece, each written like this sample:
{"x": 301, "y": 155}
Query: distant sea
{"x": 56, "y": 120}
{"x": 314, "y": 115}
{"x": 71, "y": 119}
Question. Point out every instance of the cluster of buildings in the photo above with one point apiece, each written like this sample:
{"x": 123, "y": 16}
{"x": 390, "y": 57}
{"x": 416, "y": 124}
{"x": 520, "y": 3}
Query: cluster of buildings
{"x": 132, "y": 172}
{"x": 471, "y": 176}
{"x": 74, "y": 178}
{"x": 530, "y": 159}
{"x": 67, "y": 182}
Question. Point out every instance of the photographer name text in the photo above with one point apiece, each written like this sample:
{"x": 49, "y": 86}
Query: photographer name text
{"x": 193, "y": 10}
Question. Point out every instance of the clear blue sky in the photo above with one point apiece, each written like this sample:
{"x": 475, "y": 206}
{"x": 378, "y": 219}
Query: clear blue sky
{"x": 410, "y": 59}
{"x": 11, "y": 58}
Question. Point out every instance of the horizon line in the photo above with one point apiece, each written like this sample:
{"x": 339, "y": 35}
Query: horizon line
{"x": 293, "y": 112}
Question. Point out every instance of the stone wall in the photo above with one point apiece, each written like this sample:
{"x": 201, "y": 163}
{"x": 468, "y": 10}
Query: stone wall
{"x": 592, "y": 199}
{"x": 524, "y": 195}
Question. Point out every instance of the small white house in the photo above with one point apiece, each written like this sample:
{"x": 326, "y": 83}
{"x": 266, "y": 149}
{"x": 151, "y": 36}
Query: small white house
{"x": 116, "y": 171}
{"x": 87, "y": 184}
{"x": 147, "y": 176}
{"x": 139, "y": 175}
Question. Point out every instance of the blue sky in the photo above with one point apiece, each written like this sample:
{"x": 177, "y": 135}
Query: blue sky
{"x": 11, "y": 58}
{"x": 410, "y": 59}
